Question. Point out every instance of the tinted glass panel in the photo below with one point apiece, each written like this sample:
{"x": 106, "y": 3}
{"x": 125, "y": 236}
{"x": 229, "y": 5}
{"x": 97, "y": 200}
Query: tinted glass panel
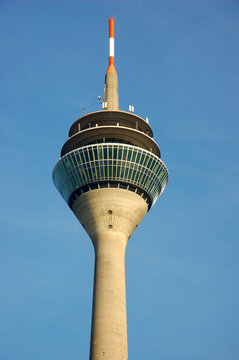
{"x": 85, "y": 165}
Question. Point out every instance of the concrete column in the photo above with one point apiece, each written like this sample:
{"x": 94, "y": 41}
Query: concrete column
{"x": 109, "y": 323}
{"x": 110, "y": 216}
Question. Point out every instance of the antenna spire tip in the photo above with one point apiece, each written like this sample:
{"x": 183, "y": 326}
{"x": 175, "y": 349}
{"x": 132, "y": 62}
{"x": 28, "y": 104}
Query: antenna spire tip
{"x": 111, "y": 17}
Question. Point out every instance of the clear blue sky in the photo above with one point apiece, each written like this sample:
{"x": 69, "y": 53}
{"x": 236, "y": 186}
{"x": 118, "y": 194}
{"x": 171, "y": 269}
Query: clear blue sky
{"x": 177, "y": 63}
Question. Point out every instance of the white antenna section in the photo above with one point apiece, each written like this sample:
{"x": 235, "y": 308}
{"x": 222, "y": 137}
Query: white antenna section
{"x": 131, "y": 108}
{"x": 147, "y": 120}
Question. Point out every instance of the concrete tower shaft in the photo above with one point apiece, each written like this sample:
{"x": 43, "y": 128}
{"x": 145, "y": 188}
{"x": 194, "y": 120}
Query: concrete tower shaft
{"x": 110, "y": 174}
{"x": 109, "y": 216}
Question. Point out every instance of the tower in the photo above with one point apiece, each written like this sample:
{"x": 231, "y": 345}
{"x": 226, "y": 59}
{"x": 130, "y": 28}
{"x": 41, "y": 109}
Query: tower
{"x": 110, "y": 174}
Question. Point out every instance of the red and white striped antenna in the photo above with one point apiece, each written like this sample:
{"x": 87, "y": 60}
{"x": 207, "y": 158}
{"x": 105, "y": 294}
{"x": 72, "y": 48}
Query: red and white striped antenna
{"x": 111, "y": 97}
{"x": 111, "y": 68}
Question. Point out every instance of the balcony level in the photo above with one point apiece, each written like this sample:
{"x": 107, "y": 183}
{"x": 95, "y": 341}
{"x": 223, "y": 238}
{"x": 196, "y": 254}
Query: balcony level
{"x": 110, "y": 134}
{"x": 111, "y": 118}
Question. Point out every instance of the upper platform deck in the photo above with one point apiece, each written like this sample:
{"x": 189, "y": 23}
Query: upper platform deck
{"x": 111, "y": 118}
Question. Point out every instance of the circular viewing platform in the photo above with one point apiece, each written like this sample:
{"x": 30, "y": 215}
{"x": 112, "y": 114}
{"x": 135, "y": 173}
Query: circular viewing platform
{"x": 110, "y": 127}
{"x": 84, "y": 168}
{"x": 109, "y": 118}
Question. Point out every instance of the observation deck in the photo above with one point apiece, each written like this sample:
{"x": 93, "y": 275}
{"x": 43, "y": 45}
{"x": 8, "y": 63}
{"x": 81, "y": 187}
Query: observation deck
{"x": 110, "y": 149}
{"x": 111, "y": 126}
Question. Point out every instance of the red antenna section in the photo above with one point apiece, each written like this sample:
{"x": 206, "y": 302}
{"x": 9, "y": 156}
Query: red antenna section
{"x": 111, "y": 68}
